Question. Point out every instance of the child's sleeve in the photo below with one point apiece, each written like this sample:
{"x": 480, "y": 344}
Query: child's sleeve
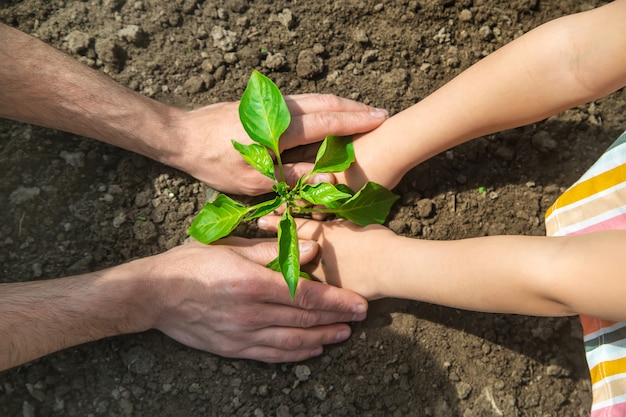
{"x": 597, "y": 201}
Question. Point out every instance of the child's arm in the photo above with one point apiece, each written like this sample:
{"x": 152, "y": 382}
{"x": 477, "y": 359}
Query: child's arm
{"x": 544, "y": 276}
{"x": 561, "y": 64}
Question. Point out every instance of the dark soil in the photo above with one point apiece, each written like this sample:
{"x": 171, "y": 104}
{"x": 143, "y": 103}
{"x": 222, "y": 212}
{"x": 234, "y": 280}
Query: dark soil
{"x": 407, "y": 358}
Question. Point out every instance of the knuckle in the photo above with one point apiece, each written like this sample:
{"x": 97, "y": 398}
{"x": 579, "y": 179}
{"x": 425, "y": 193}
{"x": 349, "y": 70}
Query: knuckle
{"x": 330, "y": 101}
{"x": 308, "y": 318}
{"x": 330, "y": 120}
{"x": 308, "y": 296}
{"x": 246, "y": 318}
{"x": 292, "y": 341}
{"x": 245, "y": 288}
{"x": 227, "y": 350}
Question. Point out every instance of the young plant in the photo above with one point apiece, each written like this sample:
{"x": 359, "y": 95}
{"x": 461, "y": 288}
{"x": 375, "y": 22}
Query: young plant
{"x": 265, "y": 117}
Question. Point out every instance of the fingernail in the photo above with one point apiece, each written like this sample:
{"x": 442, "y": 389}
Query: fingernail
{"x": 262, "y": 223}
{"x": 342, "y": 335}
{"x": 360, "y": 312}
{"x": 359, "y": 309}
{"x": 379, "y": 113}
{"x": 305, "y": 245}
{"x": 317, "y": 351}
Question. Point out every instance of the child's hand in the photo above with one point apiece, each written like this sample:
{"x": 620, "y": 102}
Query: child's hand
{"x": 350, "y": 256}
{"x": 380, "y": 156}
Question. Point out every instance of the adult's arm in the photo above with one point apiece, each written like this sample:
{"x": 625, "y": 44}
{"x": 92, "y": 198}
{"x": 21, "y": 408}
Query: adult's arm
{"x": 217, "y": 298}
{"x": 563, "y": 63}
{"x": 43, "y": 86}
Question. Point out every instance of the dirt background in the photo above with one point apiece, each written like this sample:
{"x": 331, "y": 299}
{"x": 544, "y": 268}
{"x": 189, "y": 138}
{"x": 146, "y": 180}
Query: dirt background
{"x": 71, "y": 205}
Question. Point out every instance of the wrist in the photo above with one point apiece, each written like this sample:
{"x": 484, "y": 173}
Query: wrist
{"x": 162, "y": 135}
{"x": 379, "y": 278}
{"x": 176, "y": 142}
{"x": 396, "y": 278}
{"x": 132, "y": 296}
{"x": 372, "y": 164}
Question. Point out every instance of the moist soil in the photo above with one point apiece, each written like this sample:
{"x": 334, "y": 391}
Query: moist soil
{"x": 88, "y": 206}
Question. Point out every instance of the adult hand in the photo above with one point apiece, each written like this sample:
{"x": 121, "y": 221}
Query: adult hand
{"x": 220, "y": 298}
{"x": 59, "y": 92}
{"x": 206, "y": 151}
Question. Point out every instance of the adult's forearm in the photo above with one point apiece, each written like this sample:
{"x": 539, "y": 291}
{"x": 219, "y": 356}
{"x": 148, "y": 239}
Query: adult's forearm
{"x": 41, "y": 317}
{"x": 43, "y": 86}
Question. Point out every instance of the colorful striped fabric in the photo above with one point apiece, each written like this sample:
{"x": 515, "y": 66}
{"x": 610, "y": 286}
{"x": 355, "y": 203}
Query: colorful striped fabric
{"x": 597, "y": 201}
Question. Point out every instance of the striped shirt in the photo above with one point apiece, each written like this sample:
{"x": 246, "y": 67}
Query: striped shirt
{"x": 597, "y": 201}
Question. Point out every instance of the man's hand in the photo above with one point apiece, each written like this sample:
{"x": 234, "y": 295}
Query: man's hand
{"x": 218, "y": 298}
{"x": 221, "y": 299}
{"x": 206, "y": 152}
{"x": 59, "y": 92}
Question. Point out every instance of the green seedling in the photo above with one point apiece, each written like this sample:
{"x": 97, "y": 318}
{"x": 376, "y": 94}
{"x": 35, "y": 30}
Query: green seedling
{"x": 265, "y": 117}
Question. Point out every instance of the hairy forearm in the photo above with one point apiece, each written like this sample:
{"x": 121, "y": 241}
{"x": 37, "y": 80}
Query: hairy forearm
{"x": 41, "y": 317}
{"x": 43, "y": 86}
{"x": 561, "y": 64}
{"x": 545, "y": 276}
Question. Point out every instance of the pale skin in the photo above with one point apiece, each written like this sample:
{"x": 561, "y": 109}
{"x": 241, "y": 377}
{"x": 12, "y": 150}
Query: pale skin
{"x": 563, "y": 63}
{"x": 217, "y": 298}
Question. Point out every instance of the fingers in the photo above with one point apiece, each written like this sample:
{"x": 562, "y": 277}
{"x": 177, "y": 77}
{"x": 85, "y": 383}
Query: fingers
{"x": 318, "y": 305}
{"x": 300, "y": 104}
{"x": 263, "y": 251}
{"x": 315, "y": 296}
{"x": 283, "y": 344}
{"x": 307, "y": 229}
{"x": 316, "y": 116}
{"x": 315, "y": 303}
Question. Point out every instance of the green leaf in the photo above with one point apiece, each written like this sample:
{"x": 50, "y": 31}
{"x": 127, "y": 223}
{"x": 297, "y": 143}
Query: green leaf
{"x": 264, "y": 208}
{"x": 263, "y": 111}
{"x": 296, "y": 188}
{"x": 337, "y": 204}
{"x": 275, "y": 266}
{"x": 335, "y": 154}
{"x": 288, "y": 251}
{"x": 371, "y": 204}
{"x": 322, "y": 194}
{"x": 217, "y": 219}
{"x": 281, "y": 188}
{"x": 258, "y": 157}
{"x": 344, "y": 189}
